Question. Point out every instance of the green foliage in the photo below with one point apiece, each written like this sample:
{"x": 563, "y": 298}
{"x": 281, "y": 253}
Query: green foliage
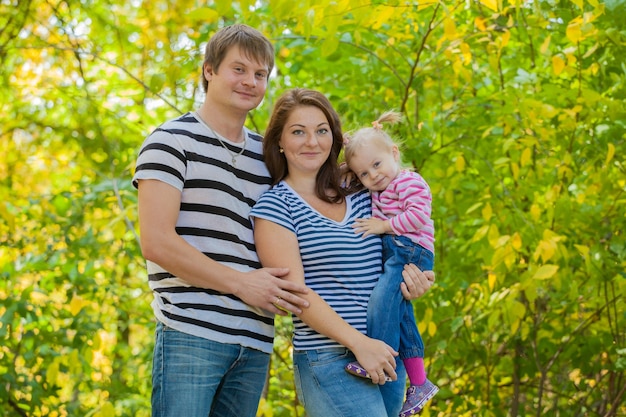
{"x": 514, "y": 113}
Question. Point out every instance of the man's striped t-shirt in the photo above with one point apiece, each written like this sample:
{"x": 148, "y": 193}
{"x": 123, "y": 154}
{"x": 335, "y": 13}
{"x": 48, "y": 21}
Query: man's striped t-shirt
{"x": 214, "y": 218}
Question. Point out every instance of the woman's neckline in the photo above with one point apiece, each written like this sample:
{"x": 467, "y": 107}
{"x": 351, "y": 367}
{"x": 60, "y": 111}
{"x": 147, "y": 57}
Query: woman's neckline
{"x": 347, "y": 204}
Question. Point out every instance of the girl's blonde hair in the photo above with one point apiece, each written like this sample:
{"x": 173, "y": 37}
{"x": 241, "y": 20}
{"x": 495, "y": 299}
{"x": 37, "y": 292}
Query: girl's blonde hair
{"x": 367, "y": 135}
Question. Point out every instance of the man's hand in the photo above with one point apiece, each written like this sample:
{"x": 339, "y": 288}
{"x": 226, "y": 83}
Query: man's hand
{"x": 265, "y": 288}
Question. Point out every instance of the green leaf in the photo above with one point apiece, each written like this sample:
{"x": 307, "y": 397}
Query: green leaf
{"x": 545, "y": 272}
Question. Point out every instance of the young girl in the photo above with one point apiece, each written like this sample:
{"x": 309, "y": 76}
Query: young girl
{"x": 401, "y": 208}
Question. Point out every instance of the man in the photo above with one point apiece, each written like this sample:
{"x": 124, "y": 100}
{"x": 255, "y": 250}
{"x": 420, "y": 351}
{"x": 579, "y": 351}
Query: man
{"x": 198, "y": 177}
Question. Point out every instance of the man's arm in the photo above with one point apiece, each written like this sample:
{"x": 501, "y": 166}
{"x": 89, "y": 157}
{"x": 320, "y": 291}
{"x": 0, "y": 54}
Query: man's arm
{"x": 159, "y": 205}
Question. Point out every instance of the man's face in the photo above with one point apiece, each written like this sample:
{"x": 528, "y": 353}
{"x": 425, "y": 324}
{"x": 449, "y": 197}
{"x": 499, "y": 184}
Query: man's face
{"x": 240, "y": 83}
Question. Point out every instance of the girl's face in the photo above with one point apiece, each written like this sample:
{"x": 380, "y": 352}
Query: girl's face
{"x": 306, "y": 140}
{"x": 376, "y": 165}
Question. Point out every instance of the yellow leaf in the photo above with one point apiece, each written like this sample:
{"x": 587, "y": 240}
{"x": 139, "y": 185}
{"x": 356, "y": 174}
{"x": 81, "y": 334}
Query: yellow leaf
{"x": 583, "y": 250}
{"x": 535, "y": 212}
{"x": 493, "y": 235}
{"x": 205, "y": 14}
{"x": 107, "y": 410}
{"x": 515, "y": 170}
{"x": 432, "y": 328}
{"x": 503, "y": 254}
{"x": 480, "y": 233}
{"x": 545, "y": 45}
{"x": 578, "y": 3}
{"x": 52, "y": 372}
{"x": 487, "y": 212}
{"x": 449, "y": 29}
{"x": 575, "y": 376}
{"x": 516, "y": 312}
{"x": 284, "y": 52}
{"x": 422, "y": 326}
{"x": 459, "y": 164}
{"x": 492, "y": 4}
{"x": 558, "y": 64}
{"x": 426, "y": 3}
{"x": 479, "y": 22}
{"x": 526, "y": 157}
{"x": 573, "y": 31}
{"x": 516, "y": 241}
{"x": 382, "y": 16}
{"x": 545, "y": 250}
{"x": 491, "y": 279}
{"x": 76, "y": 305}
{"x": 610, "y": 154}
{"x": 265, "y": 408}
{"x": 457, "y": 66}
{"x": 506, "y": 36}
{"x": 546, "y": 271}
{"x": 330, "y": 45}
{"x": 502, "y": 240}
{"x": 467, "y": 53}
{"x": 428, "y": 314}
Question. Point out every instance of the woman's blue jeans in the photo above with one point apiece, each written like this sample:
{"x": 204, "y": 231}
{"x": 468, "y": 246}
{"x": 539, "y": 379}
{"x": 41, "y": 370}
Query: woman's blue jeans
{"x": 390, "y": 317}
{"x": 327, "y": 390}
{"x": 192, "y": 376}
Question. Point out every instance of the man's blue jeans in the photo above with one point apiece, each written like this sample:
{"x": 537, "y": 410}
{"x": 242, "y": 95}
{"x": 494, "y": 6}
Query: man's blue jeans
{"x": 192, "y": 376}
{"x": 390, "y": 317}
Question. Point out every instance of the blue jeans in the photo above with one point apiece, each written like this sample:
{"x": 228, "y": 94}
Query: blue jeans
{"x": 390, "y": 317}
{"x": 194, "y": 377}
{"x": 327, "y": 390}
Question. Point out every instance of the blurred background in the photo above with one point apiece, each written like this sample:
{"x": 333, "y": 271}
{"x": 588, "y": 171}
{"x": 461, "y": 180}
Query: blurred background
{"x": 514, "y": 112}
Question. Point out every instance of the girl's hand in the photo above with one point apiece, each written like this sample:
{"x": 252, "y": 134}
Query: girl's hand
{"x": 371, "y": 226}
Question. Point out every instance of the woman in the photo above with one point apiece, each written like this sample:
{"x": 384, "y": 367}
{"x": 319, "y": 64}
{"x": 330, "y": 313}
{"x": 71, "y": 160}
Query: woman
{"x": 305, "y": 223}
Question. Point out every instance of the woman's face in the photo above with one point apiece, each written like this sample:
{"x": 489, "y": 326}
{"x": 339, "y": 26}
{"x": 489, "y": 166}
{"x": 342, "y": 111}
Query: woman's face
{"x": 306, "y": 140}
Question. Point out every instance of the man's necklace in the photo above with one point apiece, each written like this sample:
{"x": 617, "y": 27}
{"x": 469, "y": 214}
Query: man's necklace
{"x": 233, "y": 155}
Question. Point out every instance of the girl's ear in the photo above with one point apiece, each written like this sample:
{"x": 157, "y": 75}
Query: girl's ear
{"x": 396, "y": 153}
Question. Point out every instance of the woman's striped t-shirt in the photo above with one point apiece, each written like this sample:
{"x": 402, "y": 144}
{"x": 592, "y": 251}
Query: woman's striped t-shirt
{"x": 214, "y": 218}
{"x": 339, "y": 265}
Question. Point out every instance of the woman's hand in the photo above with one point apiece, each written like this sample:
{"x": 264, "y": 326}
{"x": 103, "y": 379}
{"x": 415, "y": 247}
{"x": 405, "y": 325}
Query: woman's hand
{"x": 346, "y": 176}
{"x": 416, "y": 282}
{"x": 377, "y": 358}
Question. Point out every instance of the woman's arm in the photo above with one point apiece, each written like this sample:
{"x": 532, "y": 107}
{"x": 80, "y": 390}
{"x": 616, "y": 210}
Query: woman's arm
{"x": 277, "y": 245}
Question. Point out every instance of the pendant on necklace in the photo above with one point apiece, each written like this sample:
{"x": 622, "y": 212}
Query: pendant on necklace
{"x": 234, "y": 161}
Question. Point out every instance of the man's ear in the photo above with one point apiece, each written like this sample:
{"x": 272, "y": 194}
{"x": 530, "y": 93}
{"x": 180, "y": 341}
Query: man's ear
{"x": 208, "y": 71}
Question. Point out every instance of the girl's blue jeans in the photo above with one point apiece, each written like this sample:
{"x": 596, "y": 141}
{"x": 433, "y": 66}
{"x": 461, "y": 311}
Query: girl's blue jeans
{"x": 390, "y": 317}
